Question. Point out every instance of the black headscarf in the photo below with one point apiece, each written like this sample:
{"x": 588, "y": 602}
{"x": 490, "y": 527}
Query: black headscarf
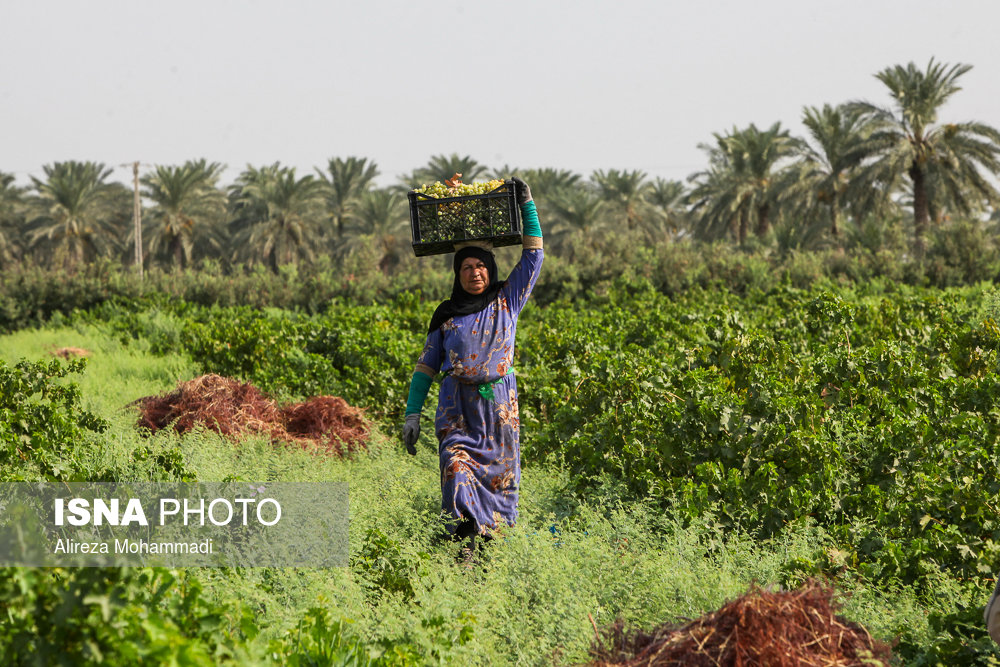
{"x": 461, "y": 302}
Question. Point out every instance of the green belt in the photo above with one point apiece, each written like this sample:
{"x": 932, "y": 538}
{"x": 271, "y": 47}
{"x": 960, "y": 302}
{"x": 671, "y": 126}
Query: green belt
{"x": 486, "y": 389}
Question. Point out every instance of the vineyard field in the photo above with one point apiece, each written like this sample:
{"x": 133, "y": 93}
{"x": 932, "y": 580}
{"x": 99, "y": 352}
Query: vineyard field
{"x": 676, "y": 449}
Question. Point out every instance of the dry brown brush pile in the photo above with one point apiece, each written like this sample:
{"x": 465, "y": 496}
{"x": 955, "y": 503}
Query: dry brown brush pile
{"x": 761, "y": 628}
{"x": 233, "y": 408}
{"x": 69, "y": 352}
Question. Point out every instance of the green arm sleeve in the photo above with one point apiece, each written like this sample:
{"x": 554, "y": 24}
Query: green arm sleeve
{"x": 529, "y": 216}
{"x": 420, "y": 384}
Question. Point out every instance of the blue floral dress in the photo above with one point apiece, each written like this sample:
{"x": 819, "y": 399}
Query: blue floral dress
{"x": 478, "y": 436}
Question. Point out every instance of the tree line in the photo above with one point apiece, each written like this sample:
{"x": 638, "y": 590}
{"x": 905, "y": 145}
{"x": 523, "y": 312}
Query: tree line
{"x": 865, "y": 174}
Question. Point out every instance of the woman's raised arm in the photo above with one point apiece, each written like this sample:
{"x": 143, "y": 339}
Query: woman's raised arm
{"x": 522, "y": 278}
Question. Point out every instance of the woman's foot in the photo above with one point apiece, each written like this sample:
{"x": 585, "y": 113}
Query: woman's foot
{"x": 467, "y": 557}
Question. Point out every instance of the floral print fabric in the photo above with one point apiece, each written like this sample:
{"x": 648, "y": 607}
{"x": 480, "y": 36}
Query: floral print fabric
{"x": 478, "y": 440}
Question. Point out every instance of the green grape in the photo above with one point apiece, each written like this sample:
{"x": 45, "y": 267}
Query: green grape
{"x": 439, "y": 190}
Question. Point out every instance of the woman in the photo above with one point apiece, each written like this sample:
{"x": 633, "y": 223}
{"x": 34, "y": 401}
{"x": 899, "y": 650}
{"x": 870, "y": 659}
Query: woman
{"x": 991, "y": 614}
{"x": 471, "y": 340}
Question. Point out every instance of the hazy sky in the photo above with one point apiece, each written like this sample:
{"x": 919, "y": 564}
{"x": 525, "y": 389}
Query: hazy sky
{"x": 578, "y": 85}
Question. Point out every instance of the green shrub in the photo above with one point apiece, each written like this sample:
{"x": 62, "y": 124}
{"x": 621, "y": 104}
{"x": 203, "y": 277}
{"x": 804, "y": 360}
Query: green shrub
{"x": 856, "y": 413}
{"x": 41, "y": 421}
{"x": 118, "y": 616}
{"x": 318, "y": 641}
{"x": 962, "y": 253}
{"x": 357, "y": 352}
{"x": 578, "y": 266}
{"x": 386, "y": 566}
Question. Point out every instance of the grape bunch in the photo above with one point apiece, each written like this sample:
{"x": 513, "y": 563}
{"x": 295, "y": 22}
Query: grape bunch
{"x": 439, "y": 190}
{"x": 458, "y": 220}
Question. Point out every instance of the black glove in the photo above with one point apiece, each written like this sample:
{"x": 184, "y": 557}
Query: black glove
{"x": 521, "y": 191}
{"x": 411, "y": 430}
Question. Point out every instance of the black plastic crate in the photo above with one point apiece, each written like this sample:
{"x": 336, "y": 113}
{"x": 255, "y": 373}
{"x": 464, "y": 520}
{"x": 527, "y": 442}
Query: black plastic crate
{"x": 437, "y": 224}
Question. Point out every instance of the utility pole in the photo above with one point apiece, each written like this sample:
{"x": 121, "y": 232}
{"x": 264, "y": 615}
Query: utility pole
{"x": 137, "y": 217}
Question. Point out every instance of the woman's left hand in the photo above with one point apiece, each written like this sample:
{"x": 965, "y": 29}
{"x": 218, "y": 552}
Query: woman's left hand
{"x": 411, "y": 431}
{"x": 521, "y": 191}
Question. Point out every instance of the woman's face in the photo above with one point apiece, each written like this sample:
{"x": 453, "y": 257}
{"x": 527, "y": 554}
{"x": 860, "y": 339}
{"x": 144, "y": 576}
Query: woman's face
{"x": 473, "y": 275}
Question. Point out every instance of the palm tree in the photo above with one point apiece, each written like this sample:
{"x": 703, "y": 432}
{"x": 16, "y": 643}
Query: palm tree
{"x": 186, "y": 204}
{"x": 502, "y": 173}
{"x": 69, "y": 221}
{"x": 277, "y": 217}
{"x": 574, "y": 211}
{"x": 11, "y": 218}
{"x": 792, "y": 233}
{"x": 667, "y": 201}
{"x": 380, "y": 218}
{"x": 441, "y": 167}
{"x": 942, "y": 162}
{"x": 346, "y": 179}
{"x": 739, "y": 187}
{"x": 822, "y": 178}
{"x": 875, "y": 233}
{"x": 547, "y": 180}
{"x": 624, "y": 190}
{"x": 544, "y": 183}
{"x": 712, "y": 202}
